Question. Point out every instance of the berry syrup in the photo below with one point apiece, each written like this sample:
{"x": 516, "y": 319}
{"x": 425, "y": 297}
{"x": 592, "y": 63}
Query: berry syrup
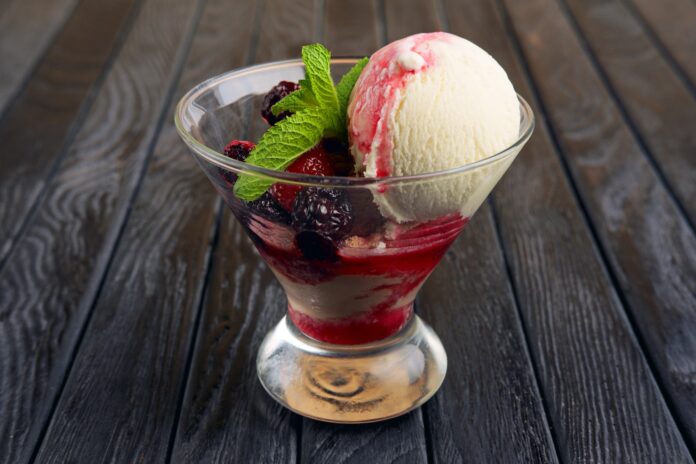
{"x": 365, "y": 292}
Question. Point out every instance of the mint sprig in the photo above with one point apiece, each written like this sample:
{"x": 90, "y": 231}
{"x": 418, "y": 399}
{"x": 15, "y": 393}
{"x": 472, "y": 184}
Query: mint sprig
{"x": 279, "y": 147}
{"x": 347, "y": 82}
{"x": 317, "y": 61}
{"x": 319, "y": 110}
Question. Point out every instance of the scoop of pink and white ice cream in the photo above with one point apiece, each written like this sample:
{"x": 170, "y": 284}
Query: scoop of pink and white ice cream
{"x": 426, "y": 103}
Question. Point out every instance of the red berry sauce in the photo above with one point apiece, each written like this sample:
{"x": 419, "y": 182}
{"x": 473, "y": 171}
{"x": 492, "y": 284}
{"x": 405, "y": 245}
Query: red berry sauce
{"x": 405, "y": 261}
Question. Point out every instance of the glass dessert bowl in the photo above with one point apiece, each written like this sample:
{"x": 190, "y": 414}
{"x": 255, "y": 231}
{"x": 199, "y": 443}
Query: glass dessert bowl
{"x": 350, "y": 252}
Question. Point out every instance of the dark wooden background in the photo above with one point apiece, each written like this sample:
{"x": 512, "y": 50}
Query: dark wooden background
{"x": 131, "y": 304}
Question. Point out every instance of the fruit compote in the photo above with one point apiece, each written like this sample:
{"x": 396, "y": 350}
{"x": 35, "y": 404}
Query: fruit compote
{"x": 350, "y": 274}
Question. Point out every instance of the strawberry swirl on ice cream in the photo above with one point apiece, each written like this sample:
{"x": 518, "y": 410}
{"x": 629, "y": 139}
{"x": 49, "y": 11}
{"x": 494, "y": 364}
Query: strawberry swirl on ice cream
{"x": 426, "y": 103}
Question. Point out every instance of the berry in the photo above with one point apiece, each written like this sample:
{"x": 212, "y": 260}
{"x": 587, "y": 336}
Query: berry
{"x": 238, "y": 150}
{"x": 326, "y": 213}
{"x": 277, "y": 93}
{"x": 315, "y": 162}
{"x": 266, "y": 206}
{"x": 370, "y": 220}
{"x": 334, "y": 145}
{"x": 315, "y": 246}
{"x": 340, "y": 157}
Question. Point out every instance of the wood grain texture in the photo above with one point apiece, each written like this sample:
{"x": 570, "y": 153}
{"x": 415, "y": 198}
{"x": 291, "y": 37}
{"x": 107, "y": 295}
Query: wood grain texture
{"x": 50, "y": 281}
{"x": 404, "y": 18}
{"x": 135, "y": 349}
{"x": 490, "y": 389}
{"x": 649, "y": 246}
{"x": 395, "y": 441}
{"x": 351, "y": 28}
{"x": 602, "y": 402}
{"x": 23, "y": 41}
{"x": 633, "y": 64}
{"x": 42, "y": 120}
{"x": 489, "y": 408}
{"x": 5, "y": 4}
{"x": 112, "y": 288}
{"x": 285, "y": 28}
{"x": 401, "y": 440}
{"x": 226, "y": 415}
{"x": 673, "y": 22}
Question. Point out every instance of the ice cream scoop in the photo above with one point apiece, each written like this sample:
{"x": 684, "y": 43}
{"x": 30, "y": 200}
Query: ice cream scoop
{"x": 431, "y": 102}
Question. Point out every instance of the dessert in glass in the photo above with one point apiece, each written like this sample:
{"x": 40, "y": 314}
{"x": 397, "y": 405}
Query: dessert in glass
{"x": 352, "y": 193}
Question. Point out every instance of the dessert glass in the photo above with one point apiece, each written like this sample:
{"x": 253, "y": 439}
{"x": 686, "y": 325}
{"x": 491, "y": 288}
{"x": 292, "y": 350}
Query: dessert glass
{"x": 350, "y": 348}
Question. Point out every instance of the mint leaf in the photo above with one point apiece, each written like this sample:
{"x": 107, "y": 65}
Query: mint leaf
{"x": 318, "y": 110}
{"x": 294, "y": 102}
{"x": 280, "y": 146}
{"x": 317, "y": 61}
{"x": 305, "y": 84}
{"x": 347, "y": 82}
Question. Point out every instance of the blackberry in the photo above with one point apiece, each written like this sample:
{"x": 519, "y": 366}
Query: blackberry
{"x": 333, "y": 145}
{"x": 267, "y": 207}
{"x": 238, "y": 150}
{"x": 370, "y": 220}
{"x": 313, "y": 245}
{"x": 340, "y": 157}
{"x": 277, "y": 93}
{"x": 327, "y": 214}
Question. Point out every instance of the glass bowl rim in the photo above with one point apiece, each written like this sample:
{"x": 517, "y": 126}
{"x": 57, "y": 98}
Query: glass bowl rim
{"x": 527, "y": 125}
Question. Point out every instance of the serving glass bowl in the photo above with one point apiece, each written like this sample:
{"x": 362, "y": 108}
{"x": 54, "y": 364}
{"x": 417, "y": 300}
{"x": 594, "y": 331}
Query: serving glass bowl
{"x": 351, "y": 258}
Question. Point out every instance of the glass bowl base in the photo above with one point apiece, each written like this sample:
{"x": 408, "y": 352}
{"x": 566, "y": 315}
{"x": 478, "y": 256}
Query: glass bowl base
{"x": 352, "y": 383}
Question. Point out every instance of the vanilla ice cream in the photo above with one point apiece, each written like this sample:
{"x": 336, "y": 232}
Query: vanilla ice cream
{"x": 426, "y": 103}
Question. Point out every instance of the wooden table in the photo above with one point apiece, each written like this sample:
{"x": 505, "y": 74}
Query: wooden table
{"x": 131, "y": 304}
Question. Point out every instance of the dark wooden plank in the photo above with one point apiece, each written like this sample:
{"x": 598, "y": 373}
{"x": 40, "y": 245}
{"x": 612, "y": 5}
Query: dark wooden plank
{"x": 23, "y": 41}
{"x": 136, "y": 346}
{"x": 404, "y": 18}
{"x": 648, "y": 245}
{"x": 515, "y": 397}
{"x": 490, "y": 388}
{"x": 351, "y": 30}
{"x": 355, "y": 30}
{"x": 673, "y": 23}
{"x": 656, "y": 101}
{"x": 226, "y": 415}
{"x": 602, "y": 402}
{"x": 490, "y": 408}
{"x": 5, "y": 4}
{"x": 398, "y": 440}
{"x": 41, "y": 122}
{"x": 49, "y": 283}
{"x": 285, "y": 28}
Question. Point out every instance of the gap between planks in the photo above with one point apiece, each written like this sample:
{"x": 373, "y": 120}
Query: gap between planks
{"x": 524, "y": 328}
{"x": 200, "y": 305}
{"x": 440, "y": 11}
{"x": 74, "y": 128}
{"x": 588, "y": 223}
{"x": 210, "y": 260}
{"x": 630, "y": 123}
{"x": 11, "y": 96}
{"x": 661, "y": 46}
{"x": 113, "y": 236}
